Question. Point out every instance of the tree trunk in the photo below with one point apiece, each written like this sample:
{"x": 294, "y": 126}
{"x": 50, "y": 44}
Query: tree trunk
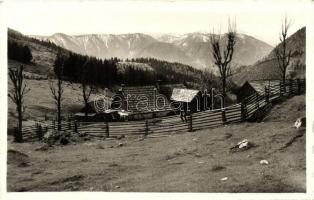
{"x": 18, "y": 137}
{"x": 224, "y": 119}
{"x": 59, "y": 104}
{"x": 284, "y": 81}
{"x": 86, "y": 111}
{"x": 223, "y": 92}
{"x": 59, "y": 116}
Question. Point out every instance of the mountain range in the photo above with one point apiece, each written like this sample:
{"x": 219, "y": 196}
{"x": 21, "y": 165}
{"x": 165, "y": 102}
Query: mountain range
{"x": 44, "y": 54}
{"x": 191, "y": 49}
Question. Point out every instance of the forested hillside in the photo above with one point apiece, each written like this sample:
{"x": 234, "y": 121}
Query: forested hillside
{"x": 105, "y": 72}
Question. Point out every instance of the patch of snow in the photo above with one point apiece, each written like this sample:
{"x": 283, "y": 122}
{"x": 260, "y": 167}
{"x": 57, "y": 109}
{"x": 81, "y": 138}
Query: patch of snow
{"x": 129, "y": 44}
{"x": 205, "y": 38}
{"x": 240, "y": 35}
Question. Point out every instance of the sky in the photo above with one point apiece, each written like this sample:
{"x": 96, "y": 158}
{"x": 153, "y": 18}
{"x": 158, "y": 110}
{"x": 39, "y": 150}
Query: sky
{"x": 256, "y": 18}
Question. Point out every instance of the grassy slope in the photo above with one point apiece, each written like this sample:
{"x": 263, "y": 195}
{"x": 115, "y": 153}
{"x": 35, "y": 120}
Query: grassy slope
{"x": 39, "y": 101}
{"x": 181, "y": 163}
{"x": 43, "y": 56}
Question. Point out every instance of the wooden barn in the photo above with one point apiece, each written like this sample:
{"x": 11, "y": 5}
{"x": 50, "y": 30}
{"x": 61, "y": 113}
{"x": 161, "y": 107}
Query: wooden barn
{"x": 254, "y": 87}
{"x": 187, "y": 98}
{"x": 129, "y": 103}
{"x": 167, "y": 89}
{"x": 98, "y": 110}
{"x": 144, "y": 102}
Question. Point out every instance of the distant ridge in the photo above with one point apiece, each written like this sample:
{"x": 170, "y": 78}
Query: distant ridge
{"x": 191, "y": 49}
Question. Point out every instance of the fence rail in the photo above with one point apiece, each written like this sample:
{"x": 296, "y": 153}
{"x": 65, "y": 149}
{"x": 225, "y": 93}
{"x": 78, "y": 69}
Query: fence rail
{"x": 164, "y": 126}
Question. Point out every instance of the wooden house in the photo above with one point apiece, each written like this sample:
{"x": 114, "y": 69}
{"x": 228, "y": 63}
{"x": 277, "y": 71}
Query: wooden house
{"x": 98, "y": 110}
{"x": 255, "y": 87}
{"x": 144, "y": 102}
{"x": 130, "y": 103}
{"x": 187, "y": 99}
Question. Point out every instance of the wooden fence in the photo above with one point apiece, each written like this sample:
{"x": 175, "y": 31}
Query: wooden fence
{"x": 36, "y": 132}
{"x": 252, "y": 107}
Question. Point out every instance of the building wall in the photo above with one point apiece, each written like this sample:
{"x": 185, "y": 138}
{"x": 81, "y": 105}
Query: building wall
{"x": 245, "y": 91}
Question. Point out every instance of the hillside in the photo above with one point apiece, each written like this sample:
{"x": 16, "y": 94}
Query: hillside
{"x": 191, "y": 49}
{"x": 44, "y": 53}
{"x": 268, "y": 67}
{"x": 200, "y": 161}
{"x": 39, "y": 102}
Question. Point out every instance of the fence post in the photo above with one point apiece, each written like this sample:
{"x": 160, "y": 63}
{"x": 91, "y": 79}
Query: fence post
{"x": 146, "y": 128}
{"x": 223, "y": 116}
{"x": 16, "y": 130}
{"x": 69, "y": 124}
{"x": 280, "y": 89}
{"x": 299, "y": 86}
{"x": 75, "y": 127}
{"x": 107, "y": 129}
{"x": 257, "y": 101}
{"x": 53, "y": 124}
{"x": 266, "y": 95}
{"x": 290, "y": 87}
{"x": 39, "y": 131}
{"x": 243, "y": 110}
{"x": 190, "y": 124}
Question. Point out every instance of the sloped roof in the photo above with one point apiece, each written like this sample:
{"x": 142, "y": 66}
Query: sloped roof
{"x": 259, "y": 86}
{"x": 166, "y": 89}
{"x": 183, "y": 95}
{"x": 100, "y": 104}
{"x": 139, "y": 99}
{"x": 142, "y": 99}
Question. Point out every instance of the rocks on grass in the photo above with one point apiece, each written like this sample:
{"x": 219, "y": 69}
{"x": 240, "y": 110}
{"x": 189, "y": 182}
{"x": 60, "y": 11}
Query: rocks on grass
{"x": 64, "y": 140}
{"x": 242, "y": 146}
{"x": 300, "y": 122}
{"x": 120, "y": 144}
{"x": 264, "y": 162}
{"x": 120, "y": 137}
{"x": 44, "y": 147}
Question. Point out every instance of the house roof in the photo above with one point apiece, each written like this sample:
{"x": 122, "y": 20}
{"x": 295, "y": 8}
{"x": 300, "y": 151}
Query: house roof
{"x": 81, "y": 114}
{"x": 259, "y": 86}
{"x": 166, "y": 89}
{"x": 143, "y": 98}
{"x": 100, "y": 104}
{"x": 183, "y": 95}
{"x": 139, "y": 99}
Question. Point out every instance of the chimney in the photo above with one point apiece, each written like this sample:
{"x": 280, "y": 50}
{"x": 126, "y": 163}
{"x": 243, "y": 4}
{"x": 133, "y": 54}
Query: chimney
{"x": 158, "y": 84}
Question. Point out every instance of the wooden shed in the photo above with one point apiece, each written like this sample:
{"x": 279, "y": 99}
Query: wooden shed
{"x": 255, "y": 87}
{"x": 131, "y": 103}
{"x": 98, "y": 110}
{"x": 188, "y": 99}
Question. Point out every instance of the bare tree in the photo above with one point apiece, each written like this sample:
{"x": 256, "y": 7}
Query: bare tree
{"x": 87, "y": 89}
{"x": 282, "y": 53}
{"x": 17, "y": 96}
{"x": 223, "y": 53}
{"x": 57, "y": 88}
